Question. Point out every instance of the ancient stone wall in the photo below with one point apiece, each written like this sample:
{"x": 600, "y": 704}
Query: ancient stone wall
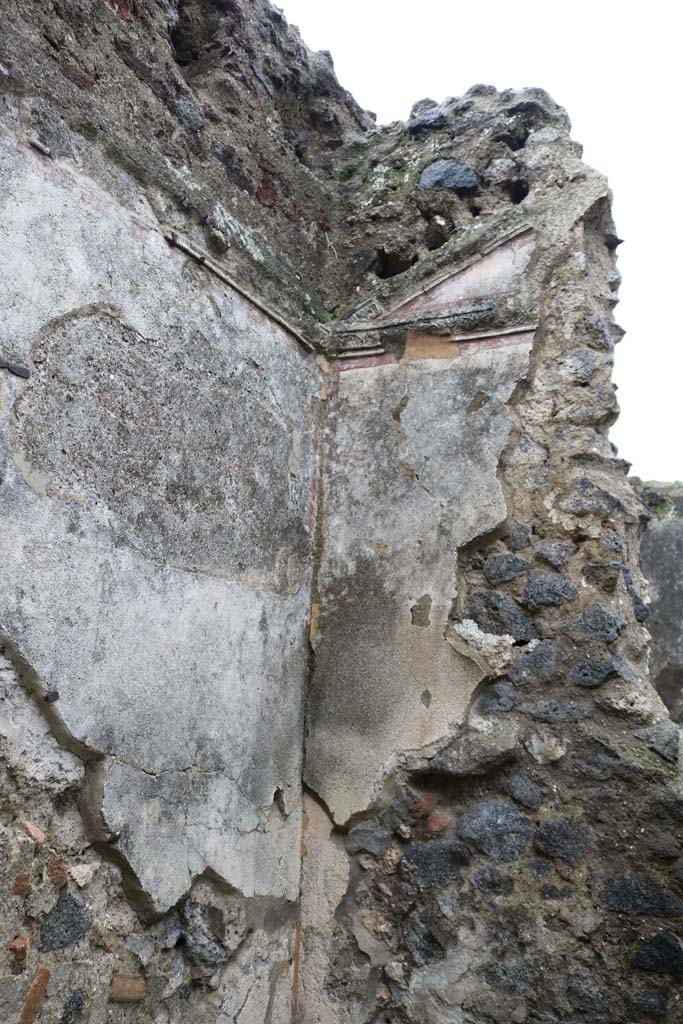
{"x": 324, "y": 686}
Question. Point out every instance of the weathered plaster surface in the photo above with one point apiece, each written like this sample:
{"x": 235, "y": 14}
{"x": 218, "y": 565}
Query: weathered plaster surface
{"x": 156, "y": 480}
{"x": 412, "y": 453}
{"x": 405, "y": 546}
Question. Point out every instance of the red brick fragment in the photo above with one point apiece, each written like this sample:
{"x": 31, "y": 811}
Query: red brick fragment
{"x": 127, "y": 988}
{"x": 77, "y": 76}
{"x": 22, "y": 881}
{"x": 437, "y": 822}
{"x": 33, "y": 832}
{"x": 267, "y": 193}
{"x": 423, "y": 807}
{"x": 57, "y": 872}
{"x": 35, "y": 996}
{"x": 18, "y": 951}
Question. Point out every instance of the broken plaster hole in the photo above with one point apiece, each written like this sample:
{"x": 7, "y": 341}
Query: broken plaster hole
{"x": 419, "y": 613}
{"x": 393, "y": 263}
{"x": 516, "y": 190}
{"x": 426, "y": 698}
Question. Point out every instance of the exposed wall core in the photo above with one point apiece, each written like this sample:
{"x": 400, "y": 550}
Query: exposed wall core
{"x": 324, "y": 688}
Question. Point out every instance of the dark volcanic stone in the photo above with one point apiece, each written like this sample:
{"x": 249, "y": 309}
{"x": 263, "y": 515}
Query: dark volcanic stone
{"x": 497, "y": 828}
{"x": 650, "y": 1006}
{"x": 558, "y": 838}
{"x": 433, "y": 865}
{"x": 490, "y": 879}
{"x": 370, "y": 837}
{"x": 591, "y": 674}
{"x": 588, "y": 499}
{"x": 662, "y": 954}
{"x": 73, "y": 1007}
{"x": 660, "y": 845}
{"x": 512, "y": 978}
{"x": 497, "y": 613}
{"x": 523, "y": 791}
{"x": 555, "y": 711}
{"x": 519, "y": 536}
{"x": 548, "y": 589}
{"x": 418, "y": 938}
{"x": 642, "y": 895}
{"x": 586, "y": 991}
{"x": 640, "y": 609}
{"x": 66, "y": 924}
{"x": 551, "y": 892}
{"x": 537, "y": 666}
{"x": 662, "y": 737}
{"x": 598, "y": 623}
{"x": 555, "y": 553}
{"x": 432, "y": 120}
{"x": 498, "y": 699}
{"x": 450, "y": 174}
{"x": 501, "y": 568}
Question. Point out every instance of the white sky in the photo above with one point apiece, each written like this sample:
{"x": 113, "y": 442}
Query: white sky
{"x": 615, "y": 66}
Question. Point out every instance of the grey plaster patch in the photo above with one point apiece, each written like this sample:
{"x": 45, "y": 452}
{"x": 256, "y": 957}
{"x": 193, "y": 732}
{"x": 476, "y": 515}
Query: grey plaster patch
{"x": 139, "y": 580}
{"x": 26, "y": 741}
{"x": 412, "y": 477}
{"x": 189, "y": 450}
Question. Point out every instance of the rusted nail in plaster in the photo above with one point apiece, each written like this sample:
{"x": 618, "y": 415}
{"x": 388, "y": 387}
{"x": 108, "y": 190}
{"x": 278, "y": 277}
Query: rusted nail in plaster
{"x": 174, "y": 240}
{"x": 40, "y": 146}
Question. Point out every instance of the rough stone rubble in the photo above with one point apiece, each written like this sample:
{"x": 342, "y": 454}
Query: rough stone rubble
{"x": 324, "y": 688}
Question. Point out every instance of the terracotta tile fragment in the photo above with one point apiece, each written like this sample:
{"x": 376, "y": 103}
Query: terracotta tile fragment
{"x": 437, "y": 822}
{"x": 35, "y": 996}
{"x": 127, "y": 988}
{"x": 57, "y": 872}
{"x": 22, "y": 881}
{"x": 423, "y": 807}
{"x": 18, "y": 950}
{"x": 33, "y": 832}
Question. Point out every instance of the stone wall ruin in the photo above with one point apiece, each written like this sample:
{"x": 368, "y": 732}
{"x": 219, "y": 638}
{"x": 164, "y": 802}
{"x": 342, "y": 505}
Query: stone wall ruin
{"x": 324, "y": 688}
